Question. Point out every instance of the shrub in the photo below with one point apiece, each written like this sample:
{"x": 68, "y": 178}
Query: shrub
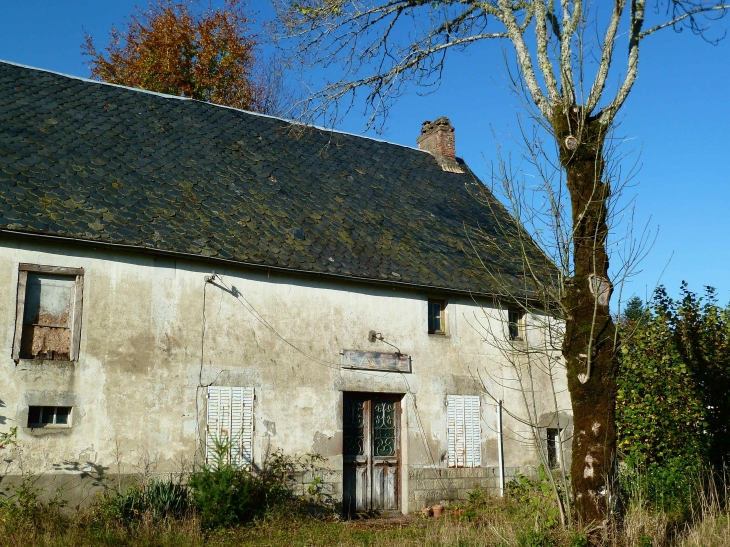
{"x": 536, "y": 496}
{"x": 674, "y": 381}
{"x": 225, "y": 495}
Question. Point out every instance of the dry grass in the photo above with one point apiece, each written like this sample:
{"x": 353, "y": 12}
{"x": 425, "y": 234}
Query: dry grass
{"x": 486, "y": 522}
{"x": 640, "y": 529}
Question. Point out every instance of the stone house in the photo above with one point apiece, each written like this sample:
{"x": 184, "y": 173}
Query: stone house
{"x": 176, "y": 272}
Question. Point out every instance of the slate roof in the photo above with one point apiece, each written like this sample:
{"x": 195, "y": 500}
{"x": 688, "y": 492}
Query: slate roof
{"x": 102, "y": 163}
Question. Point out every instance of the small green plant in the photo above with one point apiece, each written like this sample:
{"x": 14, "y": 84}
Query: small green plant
{"x": 579, "y": 540}
{"x": 670, "y": 486}
{"x": 534, "y": 538}
{"x": 167, "y": 498}
{"x": 160, "y": 498}
{"x": 8, "y": 438}
{"x": 26, "y": 508}
{"x": 537, "y": 496}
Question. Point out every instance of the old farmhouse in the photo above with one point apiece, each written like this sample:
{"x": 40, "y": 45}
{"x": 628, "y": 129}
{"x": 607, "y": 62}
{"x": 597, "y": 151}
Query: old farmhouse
{"x": 176, "y": 272}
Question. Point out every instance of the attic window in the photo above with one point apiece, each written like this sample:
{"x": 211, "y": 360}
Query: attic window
{"x": 436, "y": 317}
{"x": 48, "y": 313}
{"x": 515, "y": 325}
{"x": 43, "y": 416}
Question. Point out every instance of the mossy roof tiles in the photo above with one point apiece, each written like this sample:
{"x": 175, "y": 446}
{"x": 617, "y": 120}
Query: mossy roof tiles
{"x": 104, "y": 163}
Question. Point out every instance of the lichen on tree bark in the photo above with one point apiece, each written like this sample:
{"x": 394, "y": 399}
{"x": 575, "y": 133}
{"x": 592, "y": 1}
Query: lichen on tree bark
{"x": 588, "y": 346}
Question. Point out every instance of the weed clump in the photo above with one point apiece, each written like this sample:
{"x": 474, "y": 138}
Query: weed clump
{"x": 158, "y": 498}
{"x": 221, "y": 494}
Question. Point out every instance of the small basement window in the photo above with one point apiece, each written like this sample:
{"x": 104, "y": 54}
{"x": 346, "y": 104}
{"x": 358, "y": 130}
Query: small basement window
{"x": 48, "y": 314}
{"x": 553, "y": 447}
{"x": 436, "y": 317}
{"x": 44, "y": 416}
{"x": 516, "y": 325}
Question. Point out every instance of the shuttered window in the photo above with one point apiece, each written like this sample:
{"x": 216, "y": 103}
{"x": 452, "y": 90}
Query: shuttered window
{"x": 230, "y": 424}
{"x": 464, "y": 431}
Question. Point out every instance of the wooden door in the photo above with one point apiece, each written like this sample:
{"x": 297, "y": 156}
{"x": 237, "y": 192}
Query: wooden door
{"x": 371, "y": 453}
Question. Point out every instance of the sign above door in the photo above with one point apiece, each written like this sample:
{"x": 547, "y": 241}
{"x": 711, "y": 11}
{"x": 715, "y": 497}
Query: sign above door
{"x": 375, "y": 360}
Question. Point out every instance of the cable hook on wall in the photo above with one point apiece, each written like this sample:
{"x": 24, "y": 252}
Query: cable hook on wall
{"x": 373, "y": 336}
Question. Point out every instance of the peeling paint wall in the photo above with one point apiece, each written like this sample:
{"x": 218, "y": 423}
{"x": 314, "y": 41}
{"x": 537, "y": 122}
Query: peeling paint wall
{"x": 153, "y": 333}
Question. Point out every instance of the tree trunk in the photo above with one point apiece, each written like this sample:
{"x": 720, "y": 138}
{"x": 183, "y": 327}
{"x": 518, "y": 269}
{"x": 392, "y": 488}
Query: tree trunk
{"x": 588, "y": 347}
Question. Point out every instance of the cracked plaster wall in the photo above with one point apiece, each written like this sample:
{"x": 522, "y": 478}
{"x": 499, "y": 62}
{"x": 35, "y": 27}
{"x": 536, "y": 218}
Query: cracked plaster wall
{"x": 137, "y": 404}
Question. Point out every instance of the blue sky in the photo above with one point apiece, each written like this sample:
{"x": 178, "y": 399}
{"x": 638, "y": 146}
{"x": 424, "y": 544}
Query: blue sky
{"x": 678, "y": 116}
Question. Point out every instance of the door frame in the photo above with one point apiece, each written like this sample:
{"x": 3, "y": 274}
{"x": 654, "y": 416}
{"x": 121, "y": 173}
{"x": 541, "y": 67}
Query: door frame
{"x": 369, "y": 399}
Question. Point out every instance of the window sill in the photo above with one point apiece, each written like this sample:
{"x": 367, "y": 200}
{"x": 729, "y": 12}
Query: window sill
{"x": 439, "y": 335}
{"x": 48, "y": 429}
{"x": 58, "y": 362}
{"x": 518, "y": 344}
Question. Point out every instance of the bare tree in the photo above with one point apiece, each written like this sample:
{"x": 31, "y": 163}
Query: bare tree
{"x": 277, "y": 96}
{"x": 530, "y": 327}
{"x": 564, "y": 53}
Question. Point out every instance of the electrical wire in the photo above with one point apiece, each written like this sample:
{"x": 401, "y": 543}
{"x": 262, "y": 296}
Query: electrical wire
{"x": 256, "y": 315}
{"x": 254, "y": 312}
{"x": 198, "y": 435}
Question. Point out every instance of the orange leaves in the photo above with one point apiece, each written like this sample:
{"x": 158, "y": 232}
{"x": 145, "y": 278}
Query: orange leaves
{"x": 172, "y": 48}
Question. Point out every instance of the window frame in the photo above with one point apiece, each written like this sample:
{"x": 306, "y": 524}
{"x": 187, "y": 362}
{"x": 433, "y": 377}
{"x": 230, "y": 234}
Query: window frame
{"x": 554, "y": 443}
{"x": 51, "y": 425}
{"x": 442, "y": 316}
{"x": 23, "y": 270}
{"x": 519, "y": 325}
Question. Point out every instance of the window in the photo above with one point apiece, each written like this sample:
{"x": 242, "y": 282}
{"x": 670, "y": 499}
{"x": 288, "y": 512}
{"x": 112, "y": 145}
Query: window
{"x": 44, "y": 416}
{"x": 464, "y": 431}
{"x": 436, "y": 317}
{"x": 229, "y": 425}
{"x": 48, "y": 314}
{"x": 553, "y": 447}
{"x": 515, "y": 325}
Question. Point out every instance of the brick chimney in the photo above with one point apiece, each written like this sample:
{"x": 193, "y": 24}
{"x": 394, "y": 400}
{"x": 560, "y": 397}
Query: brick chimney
{"x": 438, "y": 138}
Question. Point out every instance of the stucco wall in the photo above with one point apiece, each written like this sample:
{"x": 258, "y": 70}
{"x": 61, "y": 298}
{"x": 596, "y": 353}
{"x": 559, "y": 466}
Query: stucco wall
{"x": 154, "y": 333}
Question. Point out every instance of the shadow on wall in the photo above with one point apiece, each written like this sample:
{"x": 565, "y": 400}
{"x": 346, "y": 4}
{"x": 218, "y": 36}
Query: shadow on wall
{"x": 87, "y": 470}
{"x": 74, "y": 483}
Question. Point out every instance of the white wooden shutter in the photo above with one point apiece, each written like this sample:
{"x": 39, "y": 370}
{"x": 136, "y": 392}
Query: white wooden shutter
{"x": 463, "y": 431}
{"x": 230, "y": 421}
{"x": 472, "y": 424}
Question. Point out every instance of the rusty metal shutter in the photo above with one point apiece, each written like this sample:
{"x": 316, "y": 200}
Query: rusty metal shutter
{"x": 230, "y": 422}
{"x": 463, "y": 431}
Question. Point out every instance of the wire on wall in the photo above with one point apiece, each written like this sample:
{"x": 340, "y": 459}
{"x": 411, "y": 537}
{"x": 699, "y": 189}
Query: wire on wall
{"x": 216, "y": 280}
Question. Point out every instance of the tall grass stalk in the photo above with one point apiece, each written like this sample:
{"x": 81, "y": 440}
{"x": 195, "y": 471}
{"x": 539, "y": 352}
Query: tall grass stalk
{"x": 524, "y": 518}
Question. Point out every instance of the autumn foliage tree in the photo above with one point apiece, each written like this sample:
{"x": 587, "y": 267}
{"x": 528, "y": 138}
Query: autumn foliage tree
{"x": 174, "y": 48}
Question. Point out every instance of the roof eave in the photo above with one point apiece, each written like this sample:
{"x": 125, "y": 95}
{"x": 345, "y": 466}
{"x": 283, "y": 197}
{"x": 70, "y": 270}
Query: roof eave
{"x": 202, "y": 258}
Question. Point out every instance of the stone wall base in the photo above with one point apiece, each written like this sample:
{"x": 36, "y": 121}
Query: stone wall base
{"x": 428, "y": 486}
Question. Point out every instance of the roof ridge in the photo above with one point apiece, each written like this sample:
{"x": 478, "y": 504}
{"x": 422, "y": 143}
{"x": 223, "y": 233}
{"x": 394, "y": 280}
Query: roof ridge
{"x": 177, "y": 97}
